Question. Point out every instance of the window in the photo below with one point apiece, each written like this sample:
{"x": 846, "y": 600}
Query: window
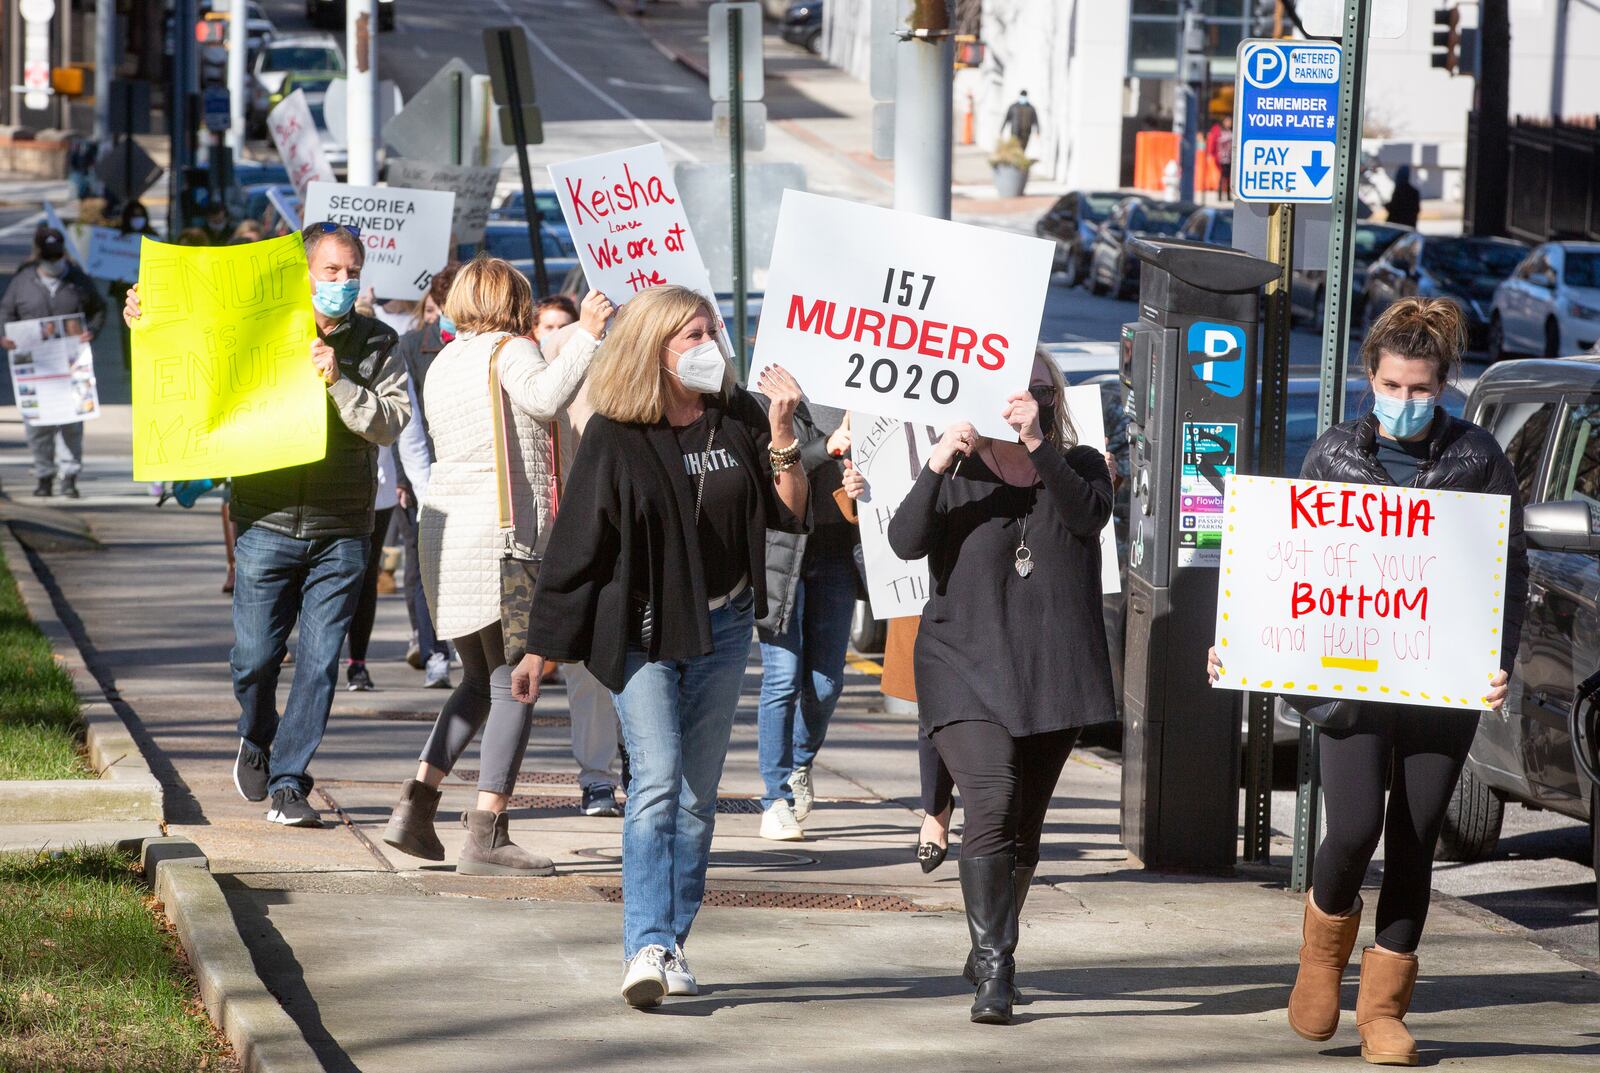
{"x": 1575, "y": 472}
{"x": 1521, "y": 429}
{"x": 1582, "y": 268}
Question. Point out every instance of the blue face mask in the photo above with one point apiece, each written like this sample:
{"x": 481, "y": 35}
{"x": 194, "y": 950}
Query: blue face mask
{"x": 1403, "y": 418}
{"x": 334, "y": 299}
{"x": 446, "y": 325}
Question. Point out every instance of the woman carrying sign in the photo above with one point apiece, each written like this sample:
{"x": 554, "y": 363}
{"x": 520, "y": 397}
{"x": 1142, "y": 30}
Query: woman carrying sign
{"x": 654, "y": 577}
{"x": 1012, "y": 536}
{"x": 1409, "y": 355}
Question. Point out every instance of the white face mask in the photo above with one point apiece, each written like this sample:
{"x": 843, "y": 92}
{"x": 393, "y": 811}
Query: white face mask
{"x": 56, "y": 268}
{"x": 701, "y": 368}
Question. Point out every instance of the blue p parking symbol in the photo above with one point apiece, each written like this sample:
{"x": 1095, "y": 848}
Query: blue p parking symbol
{"x": 1216, "y": 357}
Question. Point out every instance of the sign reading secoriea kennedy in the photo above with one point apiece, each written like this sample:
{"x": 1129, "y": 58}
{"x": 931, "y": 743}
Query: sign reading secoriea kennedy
{"x": 223, "y": 383}
{"x": 406, "y": 232}
{"x": 1361, "y": 592}
{"x": 628, "y": 223}
{"x": 899, "y": 314}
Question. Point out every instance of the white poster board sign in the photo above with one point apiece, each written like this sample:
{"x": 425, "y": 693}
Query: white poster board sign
{"x": 52, "y": 370}
{"x": 1089, "y": 418}
{"x": 406, "y": 232}
{"x": 113, "y": 255}
{"x": 628, "y": 223}
{"x": 1361, "y": 592}
{"x": 295, "y": 134}
{"x": 903, "y": 315}
{"x": 473, "y": 187}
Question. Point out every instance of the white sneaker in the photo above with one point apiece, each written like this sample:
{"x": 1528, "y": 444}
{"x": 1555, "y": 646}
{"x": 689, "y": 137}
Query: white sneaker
{"x": 804, "y": 796}
{"x": 645, "y": 982}
{"x": 778, "y": 823}
{"x": 680, "y": 977}
{"x": 437, "y": 674}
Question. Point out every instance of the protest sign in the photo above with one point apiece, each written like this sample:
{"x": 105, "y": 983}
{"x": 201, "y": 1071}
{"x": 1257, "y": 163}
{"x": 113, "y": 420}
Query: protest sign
{"x": 223, "y": 383}
{"x": 295, "y": 134}
{"x": 1083, "y": 403}
{"x": 628, "y": 223}
{"x": 1361, "y": 592}
{"x": 406, "y": 232}
{"x": 903, "y": 315}
{"x": 113, "y": 255}
{"x": 473, "y": 187}
{"x": 52, "y": 370}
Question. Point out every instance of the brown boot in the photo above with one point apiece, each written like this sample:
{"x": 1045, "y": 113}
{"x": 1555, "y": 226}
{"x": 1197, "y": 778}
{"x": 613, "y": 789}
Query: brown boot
{"x": 1314, "y": 1002}
{"x": 490, "y": 852}
{"x": 1386, "y": 983}
{"x": 410, "y": 827}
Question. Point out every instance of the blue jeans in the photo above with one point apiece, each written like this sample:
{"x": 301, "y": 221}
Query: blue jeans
{"x": 676, "y": 717}
{"x": 278, "y": 579}
{"x": 802, "y": 672}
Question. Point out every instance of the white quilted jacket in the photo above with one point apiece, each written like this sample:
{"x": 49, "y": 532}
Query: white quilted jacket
{"x": 459, "y": 531}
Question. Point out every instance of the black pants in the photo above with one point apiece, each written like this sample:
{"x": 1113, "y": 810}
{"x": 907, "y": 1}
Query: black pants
{"x": 938, "y": 788}
{"x": 367, "y": 599}
{"x": 1005, "y": 784}
{"x": 1420, "y": 751}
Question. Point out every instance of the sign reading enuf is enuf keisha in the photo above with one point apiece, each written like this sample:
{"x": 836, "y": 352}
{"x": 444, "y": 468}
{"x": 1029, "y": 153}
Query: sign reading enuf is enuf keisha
{"x": 1361, "y": 592}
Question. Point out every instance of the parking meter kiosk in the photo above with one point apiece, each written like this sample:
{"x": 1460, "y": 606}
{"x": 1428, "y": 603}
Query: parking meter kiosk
{"x": 1189, "y": 378}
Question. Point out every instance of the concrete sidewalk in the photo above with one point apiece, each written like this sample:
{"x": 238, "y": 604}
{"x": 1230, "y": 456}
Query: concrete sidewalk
{"x": 833, "y": 954}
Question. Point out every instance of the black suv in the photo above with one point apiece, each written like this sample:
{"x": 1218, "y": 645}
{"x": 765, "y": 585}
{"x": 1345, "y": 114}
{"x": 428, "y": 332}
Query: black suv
{"x": 1546, "y": 416}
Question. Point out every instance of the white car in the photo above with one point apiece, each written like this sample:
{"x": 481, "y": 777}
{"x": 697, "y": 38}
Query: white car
{"x": 1551, "y": 304}
{"x": 302, "y": 53}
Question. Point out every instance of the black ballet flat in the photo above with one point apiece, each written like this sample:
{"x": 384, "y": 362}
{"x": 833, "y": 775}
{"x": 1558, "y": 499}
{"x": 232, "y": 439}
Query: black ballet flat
{"x": 931, "y": 855}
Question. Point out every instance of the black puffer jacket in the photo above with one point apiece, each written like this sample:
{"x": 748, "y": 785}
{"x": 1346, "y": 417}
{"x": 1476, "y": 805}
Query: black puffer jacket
{"x": 1462, "y": 457}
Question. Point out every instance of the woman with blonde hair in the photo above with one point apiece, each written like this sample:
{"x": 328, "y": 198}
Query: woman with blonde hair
{"x": 654, "y": 577}
{"x": 491, "y": 362}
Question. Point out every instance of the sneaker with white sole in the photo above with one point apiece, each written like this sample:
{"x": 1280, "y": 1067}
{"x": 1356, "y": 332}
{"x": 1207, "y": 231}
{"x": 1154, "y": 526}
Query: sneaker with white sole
{"x": 250, "y": 772}
{"x": 437, "y": 673}
{"x": 645, "y": 982}
{"x": 290, "y": 808}
{"x": 680, "y": 977}
{"x": 778, "y": 823}
{"x": 804, "y": 797}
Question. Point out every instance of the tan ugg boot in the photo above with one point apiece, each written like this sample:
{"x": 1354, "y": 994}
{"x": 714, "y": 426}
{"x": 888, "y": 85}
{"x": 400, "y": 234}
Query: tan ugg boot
{"x": 490, "y": 852}
{"x": 1387, "y": 980}
{"x": 1325, "y": 951}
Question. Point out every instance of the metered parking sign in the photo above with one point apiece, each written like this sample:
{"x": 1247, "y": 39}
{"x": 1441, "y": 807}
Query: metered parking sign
{"x": 1286, "y": 121}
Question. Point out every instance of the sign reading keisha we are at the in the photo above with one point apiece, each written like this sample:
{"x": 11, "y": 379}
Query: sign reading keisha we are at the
{"x": 628, "y": 223}
{"x": 902, "y": 315}
{"x": 1361, "y": 592}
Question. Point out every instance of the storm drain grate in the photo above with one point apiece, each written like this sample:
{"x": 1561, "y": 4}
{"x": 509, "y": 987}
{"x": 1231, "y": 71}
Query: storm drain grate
{"x": 821, "y": 900}
{"x": 739, "y": 805}
{"x": 546, "y": 778}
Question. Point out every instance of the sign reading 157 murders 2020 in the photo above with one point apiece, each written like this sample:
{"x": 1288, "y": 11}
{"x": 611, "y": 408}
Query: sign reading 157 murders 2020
{"x": 902, "y": 315}
{"x": 1361, "y": 592}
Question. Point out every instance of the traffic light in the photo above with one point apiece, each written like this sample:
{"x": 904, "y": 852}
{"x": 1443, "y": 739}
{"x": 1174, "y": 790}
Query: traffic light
{"x": 211, "y": 34}
{"x": 1447, "y": 39}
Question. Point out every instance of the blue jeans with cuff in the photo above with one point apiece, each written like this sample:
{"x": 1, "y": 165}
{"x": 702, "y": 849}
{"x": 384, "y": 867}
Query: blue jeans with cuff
{"x": 279, "y": 579}
{"x": 677, "y": 715}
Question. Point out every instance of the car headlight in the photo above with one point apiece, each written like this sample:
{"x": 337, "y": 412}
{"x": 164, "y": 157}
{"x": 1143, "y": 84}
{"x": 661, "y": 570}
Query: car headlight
{"x": 1582, "y": 312}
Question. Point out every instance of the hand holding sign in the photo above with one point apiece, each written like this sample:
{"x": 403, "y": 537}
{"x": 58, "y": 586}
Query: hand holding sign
{"x": 1022, "y": 414}
{"x": 959, "y": 439}
{"x": 324, "y": 361}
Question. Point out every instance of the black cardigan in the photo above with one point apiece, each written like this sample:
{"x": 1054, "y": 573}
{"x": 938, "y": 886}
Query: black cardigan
{"x": 625, "y": 525}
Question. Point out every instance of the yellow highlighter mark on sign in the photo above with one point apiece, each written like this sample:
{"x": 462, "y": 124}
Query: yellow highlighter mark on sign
{"x": 1345, "y": 663}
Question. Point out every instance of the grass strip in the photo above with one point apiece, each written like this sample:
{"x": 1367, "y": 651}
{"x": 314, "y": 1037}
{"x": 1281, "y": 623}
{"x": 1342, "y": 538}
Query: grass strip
{"x": 91, "y": 976}
{"x": 39, "y": 731}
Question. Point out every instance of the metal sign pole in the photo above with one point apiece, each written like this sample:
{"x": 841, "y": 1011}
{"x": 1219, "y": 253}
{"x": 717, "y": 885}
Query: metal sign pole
{"x": 520, "y": 132}
{"x": 736, "y": 154}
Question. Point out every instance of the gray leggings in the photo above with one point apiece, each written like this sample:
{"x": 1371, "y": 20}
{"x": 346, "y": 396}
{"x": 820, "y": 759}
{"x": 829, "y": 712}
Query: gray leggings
{"x": 483, "y": 695}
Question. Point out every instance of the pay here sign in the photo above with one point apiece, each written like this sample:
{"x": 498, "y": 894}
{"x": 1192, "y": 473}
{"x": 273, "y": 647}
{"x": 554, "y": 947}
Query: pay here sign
{"x": 1361, "y": 592}
{"x": 902, "y": 315}
{"x": 1286, "y": 121}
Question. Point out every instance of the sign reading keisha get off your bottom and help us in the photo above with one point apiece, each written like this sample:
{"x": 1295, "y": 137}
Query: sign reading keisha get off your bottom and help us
{"x": 1361, "y": 592}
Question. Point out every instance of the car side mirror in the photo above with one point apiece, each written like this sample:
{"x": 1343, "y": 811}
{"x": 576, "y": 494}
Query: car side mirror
{"x": 1568, "y": 525}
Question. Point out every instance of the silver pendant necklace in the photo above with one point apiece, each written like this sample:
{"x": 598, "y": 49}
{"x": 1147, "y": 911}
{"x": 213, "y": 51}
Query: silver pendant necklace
{"x": 1024, "y": 561}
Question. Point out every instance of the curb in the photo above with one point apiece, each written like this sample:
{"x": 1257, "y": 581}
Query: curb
{"x": 627, "y": 10}
{"x": 263, "y": 1035}
{"x": 126, "y": 789}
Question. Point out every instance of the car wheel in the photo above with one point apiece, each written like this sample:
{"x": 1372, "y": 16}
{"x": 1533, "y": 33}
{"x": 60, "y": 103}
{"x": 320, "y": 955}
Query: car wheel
{"x": 1496, "y": 346}
{"x": 814, "y": 42}
{"x": 867, "y": 634}
{"x": 1072, "y": 270}
{"x": 1552, "y": 338}
{"x": 1471, "y": 822}
{"x": 1095, "y": 286}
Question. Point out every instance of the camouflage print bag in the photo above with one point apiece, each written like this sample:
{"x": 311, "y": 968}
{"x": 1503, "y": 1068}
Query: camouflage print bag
{"x": 519, "y": 564}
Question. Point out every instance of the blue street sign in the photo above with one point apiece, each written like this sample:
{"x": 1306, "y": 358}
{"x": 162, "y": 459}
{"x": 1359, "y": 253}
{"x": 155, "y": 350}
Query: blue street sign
{"x": 214, "y": 107}
{"x": 1286, "y": 119}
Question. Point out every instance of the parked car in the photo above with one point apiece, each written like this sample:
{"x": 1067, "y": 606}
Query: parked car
{"x": 329, "y": 14}
{"x": 1211, "y": 225}
{"x": 1550, "y": 305}
{"x": 508, "y": 239}
{"x": 802, "y": 25}
{"x": 1546, "y": 416}
{"x": 306, "y": 53}
{"x": 314, "y": 84}
{"x": 513, "y": 207}
{"x": 1308, "y": 288}
{"x": 1071, "y": 224}
{"x": 1465, "y": 269}
{"x": 1110, "y": 267}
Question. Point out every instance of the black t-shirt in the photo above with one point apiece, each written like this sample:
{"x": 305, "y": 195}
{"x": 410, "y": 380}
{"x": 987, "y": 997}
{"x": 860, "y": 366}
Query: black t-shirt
{"x": 1402, "y": 458}
{"x": 725, "y": 507}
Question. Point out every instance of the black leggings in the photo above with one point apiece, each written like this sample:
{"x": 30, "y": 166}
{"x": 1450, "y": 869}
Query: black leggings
{"x": 1005, "y": 785}
{"x": 938, "y": 787}
{"x": 1420, "y": 751}
{"x": 367, "y": 599}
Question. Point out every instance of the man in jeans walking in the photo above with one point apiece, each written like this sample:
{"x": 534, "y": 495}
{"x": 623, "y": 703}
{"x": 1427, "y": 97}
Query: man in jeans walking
{"x": 303, "y": 535}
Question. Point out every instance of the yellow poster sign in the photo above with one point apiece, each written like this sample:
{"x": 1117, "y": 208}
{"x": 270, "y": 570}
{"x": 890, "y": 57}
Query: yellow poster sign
{"x": 223, "y": 383}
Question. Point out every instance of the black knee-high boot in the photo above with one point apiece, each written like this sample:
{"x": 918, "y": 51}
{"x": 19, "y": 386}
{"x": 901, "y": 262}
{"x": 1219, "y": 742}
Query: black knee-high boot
{"x": 987, "y": 886}
{"x": 1021, "y": 880}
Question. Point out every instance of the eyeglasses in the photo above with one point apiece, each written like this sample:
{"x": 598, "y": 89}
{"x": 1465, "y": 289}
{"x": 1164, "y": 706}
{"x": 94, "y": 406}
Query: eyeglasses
{"x": 328, "y": 227}
{"x": 1043, "y": 394}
